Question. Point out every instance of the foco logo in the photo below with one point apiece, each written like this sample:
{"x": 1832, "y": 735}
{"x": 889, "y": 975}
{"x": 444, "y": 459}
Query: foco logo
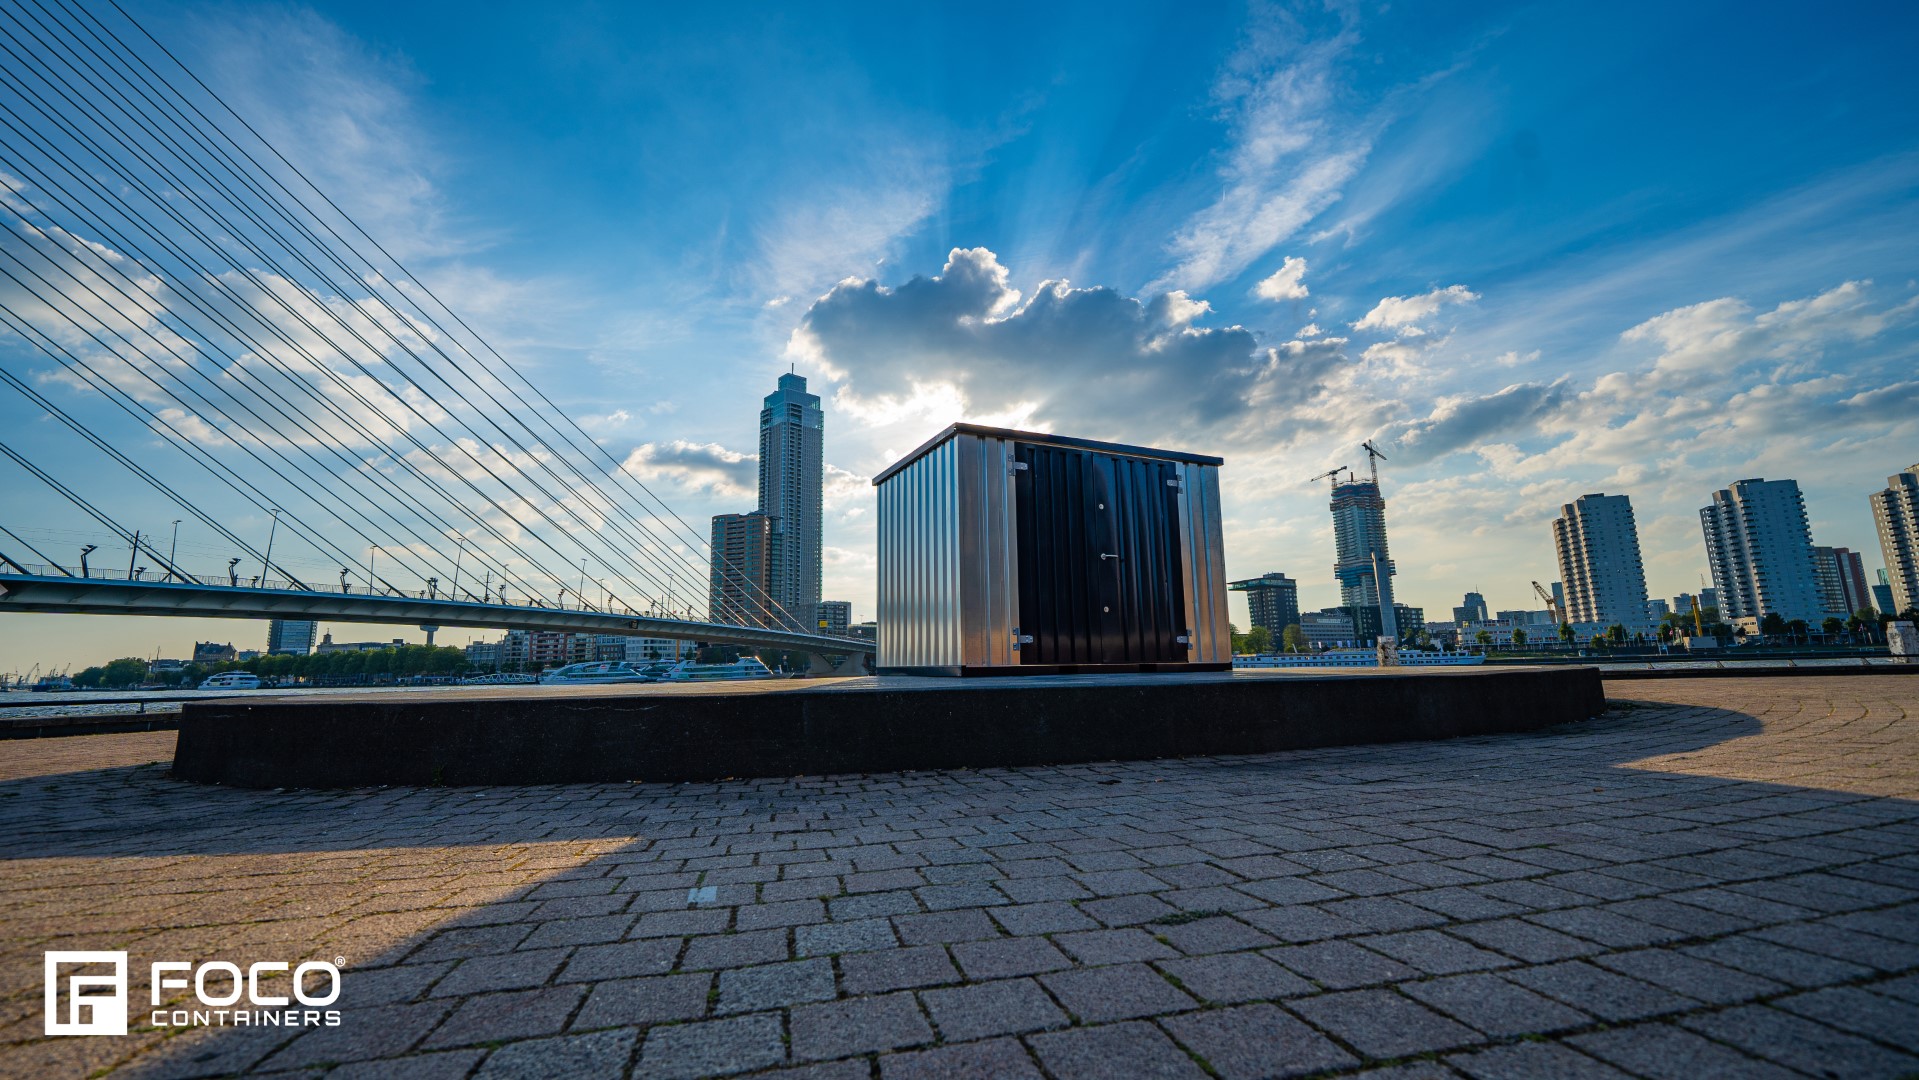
{"x": 96, "y": 1000}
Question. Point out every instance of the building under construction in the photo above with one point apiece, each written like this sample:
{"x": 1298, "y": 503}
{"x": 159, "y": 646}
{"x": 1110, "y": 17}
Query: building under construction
{"x": 1359, "y": 532}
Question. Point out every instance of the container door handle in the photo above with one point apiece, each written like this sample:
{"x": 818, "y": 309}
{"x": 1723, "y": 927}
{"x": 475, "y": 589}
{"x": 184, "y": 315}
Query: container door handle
{"x": 1103, "y": 555}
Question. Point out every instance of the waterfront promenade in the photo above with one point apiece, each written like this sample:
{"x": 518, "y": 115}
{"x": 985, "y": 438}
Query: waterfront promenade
{"x": 1718, "y": 877}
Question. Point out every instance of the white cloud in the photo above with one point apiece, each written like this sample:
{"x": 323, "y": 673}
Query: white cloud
{"x": 1286, "y": 283}
{"x": 1290, "y": 154}
{"x": 966, "y": 341}
{"x": 691, "y": 466}
{"x": 1402, "y": 313}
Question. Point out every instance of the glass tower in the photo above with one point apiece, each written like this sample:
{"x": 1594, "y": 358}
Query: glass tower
{"x": 792, "y": 473}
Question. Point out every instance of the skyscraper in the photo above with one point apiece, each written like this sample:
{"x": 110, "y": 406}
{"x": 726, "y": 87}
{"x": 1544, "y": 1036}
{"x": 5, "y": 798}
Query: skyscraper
{"x": 792, "y": 474}
{"x": 1272, "y": 600}
{"x": 1896, "y": 512}
{"x": 1760, "y": 550}
{"x": 1472, "y": 608}
{"x": 1598, "y": 544}
{"x": 746, "y": 550}
{"x": 291, "y": 636}
{"x": 1359, "y": 529}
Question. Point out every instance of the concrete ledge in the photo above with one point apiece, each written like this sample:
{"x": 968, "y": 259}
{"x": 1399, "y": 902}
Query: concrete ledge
{"x": 54, "y": 727}
{"x": 866, "y": 725}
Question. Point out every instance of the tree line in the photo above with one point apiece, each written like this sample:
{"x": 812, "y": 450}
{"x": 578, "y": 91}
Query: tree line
{"x": 394, "y": 661}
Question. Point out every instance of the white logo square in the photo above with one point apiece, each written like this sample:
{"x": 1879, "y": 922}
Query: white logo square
{"x": 106, "y": 1013}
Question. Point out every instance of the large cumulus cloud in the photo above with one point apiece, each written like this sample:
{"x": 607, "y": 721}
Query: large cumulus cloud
{"x": 1090, "y": 359}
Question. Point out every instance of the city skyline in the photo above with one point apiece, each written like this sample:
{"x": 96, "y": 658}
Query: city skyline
{"x": 1304, "y": 229}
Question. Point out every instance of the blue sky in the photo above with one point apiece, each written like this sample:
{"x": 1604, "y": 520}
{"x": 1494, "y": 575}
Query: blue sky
{"x": 1535, "y": 250}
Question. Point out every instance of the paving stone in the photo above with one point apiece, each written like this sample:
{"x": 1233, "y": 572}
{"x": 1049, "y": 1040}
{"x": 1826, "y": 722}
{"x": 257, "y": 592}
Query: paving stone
{"x": 439, "y": 1065}
{"x": 872, "y": 905}
{"x": 1383, "y": 913}
{"x": 1340, "y": 965}
{"x": 857, "y": 1026}
{"x": 1255, "y": 1042}
{"x": 784, "y": 913}
{"x": 1120, "y": 992}
{"x": 1608, "y": 928}
{"x": 1532, "y": 1061}
{"x": 1382, "y": 1024}
{"x": 1302, "y": 923}
{"x": 512, "y": 971}
{"x": 1689, "y": 975}
{"x": 1047, "y": 918}
{"x": 774, "y": 986}
{"x": 644, "y": 1002}
{"x": 953, "y": 897}
{"x": 981, "y": 1010}
{"x": 1141, "y": 1051}
{"x": 1214, "y": 935}
{"x": 712, "y": 1048}
{"x": 1127, "y": 910}
{"x": 1860, "y": 1011}
{"x": 734, "y": 950}
{"x": 624, "y": 960}
{"x": 588, "y": 931}
{"x": 1663, "y": 1052}
{"x": 827, "y": 939}
{"x": 1113, "y": 946}
{"x": 600, "y": 1054}
{"x": 1008, "y": 957}
{"x": 1494, "y": 1006}
{"x": 1433, "y": 952}
{"x": 1602, "y": 993}
{"x": 513, "y": 1014}
{"x": 1767, "y": 960}
{"x": 945, "y": 927}
{"x": 1801, "y": 1044}
{"x": 379, "y": 1032}
{"x": 993, "y": 1059}
{"x": 1229, "y": 978}
{"x": 1524, "y": 941}
{"x": 896, "y": 969}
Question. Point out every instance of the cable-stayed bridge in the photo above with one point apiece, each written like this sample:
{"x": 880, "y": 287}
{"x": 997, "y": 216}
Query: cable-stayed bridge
{"x": 191, "y": 315}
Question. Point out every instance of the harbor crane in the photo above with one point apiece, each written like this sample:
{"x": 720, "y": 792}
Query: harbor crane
{"x": 1552, "y": 606}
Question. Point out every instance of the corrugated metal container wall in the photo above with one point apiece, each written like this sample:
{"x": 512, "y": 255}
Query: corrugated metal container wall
{"x": 1006, "y": 551}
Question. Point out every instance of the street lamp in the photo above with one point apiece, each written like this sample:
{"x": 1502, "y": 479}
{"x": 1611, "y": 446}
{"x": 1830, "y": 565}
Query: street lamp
{"x": 173, "y": 547}
{"x": 459, "y": 550}
{"x": 84, "y": 552}
{"x": 233, "y": 576}
{"x": 343, "y": 585}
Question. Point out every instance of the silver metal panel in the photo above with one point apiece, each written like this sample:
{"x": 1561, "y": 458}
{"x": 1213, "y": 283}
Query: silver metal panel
{"x": 1203, "y": 554}
{"x": 919, "y": 556}
{"x": 989, "y": 569}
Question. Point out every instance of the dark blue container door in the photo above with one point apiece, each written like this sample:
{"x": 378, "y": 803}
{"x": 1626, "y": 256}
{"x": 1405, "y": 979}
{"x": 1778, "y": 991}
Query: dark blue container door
{"x": 1099, "y": 567}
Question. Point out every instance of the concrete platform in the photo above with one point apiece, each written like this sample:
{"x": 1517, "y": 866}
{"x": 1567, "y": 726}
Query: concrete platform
{"x": 654, "y": 733}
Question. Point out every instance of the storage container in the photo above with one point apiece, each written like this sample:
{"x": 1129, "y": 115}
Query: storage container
{"x": 1010, "y": 552}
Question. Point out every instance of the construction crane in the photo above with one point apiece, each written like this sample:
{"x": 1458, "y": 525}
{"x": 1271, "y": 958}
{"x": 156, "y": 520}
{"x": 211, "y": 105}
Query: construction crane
{"x": 1552, "y": 606}
{"x": 1330, "y": 474}
{"x": 1373, "y": 458}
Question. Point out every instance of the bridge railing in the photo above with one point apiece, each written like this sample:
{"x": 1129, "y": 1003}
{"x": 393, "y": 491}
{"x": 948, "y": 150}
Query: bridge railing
{"x": 149, "y": 577}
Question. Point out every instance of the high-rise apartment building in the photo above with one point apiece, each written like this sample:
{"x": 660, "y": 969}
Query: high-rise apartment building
{"x": 1896, "y": 513}
{"x": 1598, "y": 545}
{"x": 1359, "y": 530}
{"x": 1656, "y": 611}
{"x": 1272, "y": 601}
{"x": 833, "y": 617}
{"x": 294, "y": 636}
{"x": 1760, "y": 550}
{"x": 1842, "y": 580}
{"x": 747, "y": 551}
{"x": 792, "y": 476}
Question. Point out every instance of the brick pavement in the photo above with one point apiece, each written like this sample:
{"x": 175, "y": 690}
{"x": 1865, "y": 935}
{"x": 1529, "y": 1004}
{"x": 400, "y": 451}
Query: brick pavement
{"x": 1717, "y": 878}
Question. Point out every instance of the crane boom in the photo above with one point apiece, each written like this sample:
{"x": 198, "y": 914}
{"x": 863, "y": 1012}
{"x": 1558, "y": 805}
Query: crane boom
{"x": 1330, "y": 474}
{"x": 1552, "y": 606}
{"x": 1373, "y": 458}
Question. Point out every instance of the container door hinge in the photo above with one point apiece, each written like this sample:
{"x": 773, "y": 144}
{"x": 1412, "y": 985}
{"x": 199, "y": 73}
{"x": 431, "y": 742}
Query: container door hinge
{"x": 1174, "y": 483}
{"x": 1184, "y": 639}
{"x": 1021, "y": 639}
{"x": 1017, "y": 466}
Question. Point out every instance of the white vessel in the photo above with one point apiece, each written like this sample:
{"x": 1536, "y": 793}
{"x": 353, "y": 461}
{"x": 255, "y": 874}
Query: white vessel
{"x": 232, "y": 680}
{"x": 595, "y": 673}
{"x": 746, "y": 667}
{"x": 1351, "y": 658}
